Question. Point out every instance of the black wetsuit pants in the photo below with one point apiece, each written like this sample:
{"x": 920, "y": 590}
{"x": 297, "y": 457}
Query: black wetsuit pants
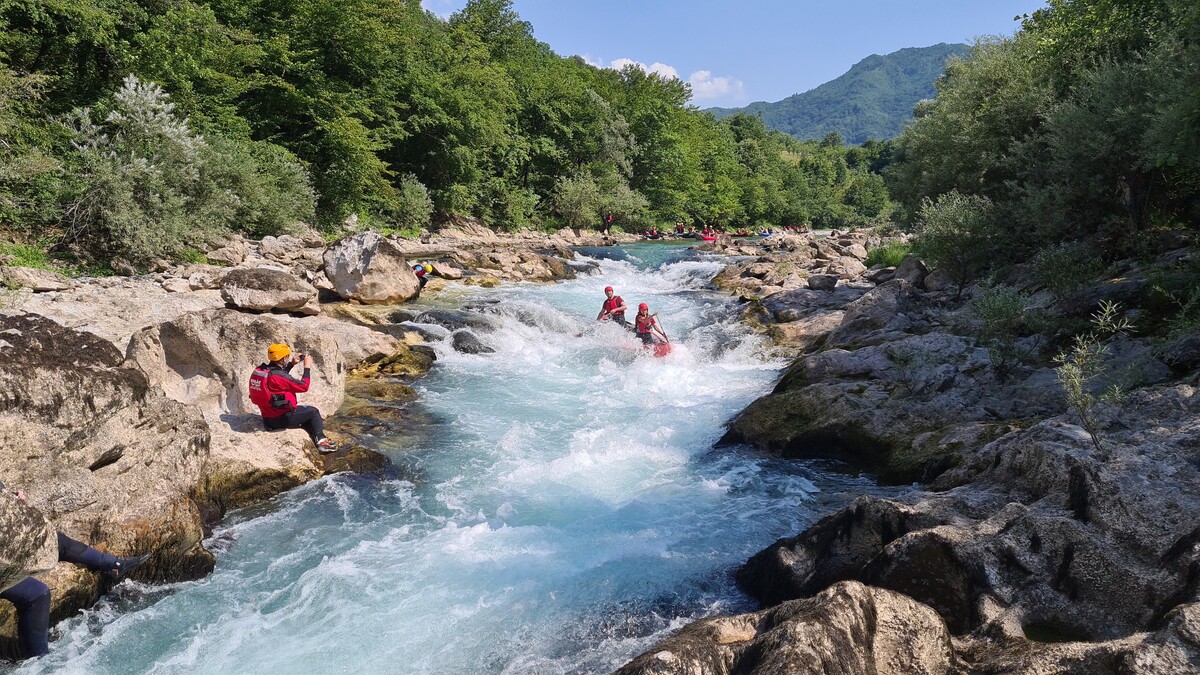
{"x": 32, "y": 598}
{"x": 303, "y": 417}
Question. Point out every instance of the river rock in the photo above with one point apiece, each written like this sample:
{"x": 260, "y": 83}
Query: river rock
{"x": 1182, "y": 353}
{"x": 233, "y": 253}
{"x": 848, "y": 628}
{"x": 264, "y": 289}
{"x": 369, "y": 269}
{"x": 30, "y": 544}
{"x": 466, "y": 342}
{"x": 445, "y": 271}
{"x": 104, "y": 455}
{"x": 822, "y": 282}
{"x": 912, "y": 270}
{"x": 1035, "y": 536}
{"x": 37, "y": 280}
{"x": 879, "y": 315}
{"x": 937, "y": 282}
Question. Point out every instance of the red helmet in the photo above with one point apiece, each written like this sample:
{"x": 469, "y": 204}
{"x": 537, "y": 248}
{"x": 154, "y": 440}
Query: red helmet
{"x": 643, "y": 307}
{"x": 607, "y": 289}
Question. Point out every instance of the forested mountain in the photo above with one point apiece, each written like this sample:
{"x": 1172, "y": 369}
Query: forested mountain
{"x": 873, "y": 99}
{"x": 136, "y": 130}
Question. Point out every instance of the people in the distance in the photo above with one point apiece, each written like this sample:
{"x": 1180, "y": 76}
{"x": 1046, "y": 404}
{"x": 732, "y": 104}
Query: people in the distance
{"x": 32, "y": 597}
{"x": 646, "y": 327}
{"x": 273, "y": 389}
{"x": 421, "y": 271}
{"x": 613, "y": 308}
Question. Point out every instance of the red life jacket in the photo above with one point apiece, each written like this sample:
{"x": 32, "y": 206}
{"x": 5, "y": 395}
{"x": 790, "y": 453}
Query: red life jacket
{"x": 612, "y": 303}
{"x": 259, "y": 395}
{"x": 643, "y": 324}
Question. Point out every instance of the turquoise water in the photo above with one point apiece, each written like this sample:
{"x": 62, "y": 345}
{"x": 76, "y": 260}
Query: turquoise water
{"x": 561, "y": 511}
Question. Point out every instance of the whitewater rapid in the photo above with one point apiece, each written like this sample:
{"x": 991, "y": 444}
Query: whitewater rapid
{"x": 558, "y": 509}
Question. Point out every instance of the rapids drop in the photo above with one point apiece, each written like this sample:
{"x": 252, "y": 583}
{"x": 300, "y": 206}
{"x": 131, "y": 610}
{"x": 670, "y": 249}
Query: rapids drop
{"x": 564, "y": 507}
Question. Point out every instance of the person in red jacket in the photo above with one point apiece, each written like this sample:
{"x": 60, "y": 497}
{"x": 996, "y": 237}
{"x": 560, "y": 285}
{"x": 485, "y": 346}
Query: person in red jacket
{"x": 613, "y": 308}
{"x": 273, "y": 389}
{"x": 645, "y": 326}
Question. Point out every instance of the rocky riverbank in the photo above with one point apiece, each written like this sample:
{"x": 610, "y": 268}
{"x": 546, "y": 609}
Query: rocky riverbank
{"x": 1026, "y": 547}
{"x": 124, "y": 416}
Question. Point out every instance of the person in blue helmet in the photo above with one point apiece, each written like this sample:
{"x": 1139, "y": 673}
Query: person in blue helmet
{"x": 421, "y": 271}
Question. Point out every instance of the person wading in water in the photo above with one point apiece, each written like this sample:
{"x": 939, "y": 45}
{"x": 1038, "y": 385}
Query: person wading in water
{"x": 613, "y": 308}
{"x": 273, "y": 390}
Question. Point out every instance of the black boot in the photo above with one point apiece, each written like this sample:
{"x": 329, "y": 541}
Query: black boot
{"x": 124, "y": 566}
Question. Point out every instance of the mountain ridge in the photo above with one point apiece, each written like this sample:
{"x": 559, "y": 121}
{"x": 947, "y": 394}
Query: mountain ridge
{"x": 873, "y": 99}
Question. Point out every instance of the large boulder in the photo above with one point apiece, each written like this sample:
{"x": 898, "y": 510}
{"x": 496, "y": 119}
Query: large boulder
{"x": 263, "y": 289}
{"x": 848, "y": 628}
{"x": 106, "y": 456}
{"x": 204, "y": 360}
{"x": 370, "y": 269}
{"x": 30, "y": 544}
{"x": 34, "y": 279}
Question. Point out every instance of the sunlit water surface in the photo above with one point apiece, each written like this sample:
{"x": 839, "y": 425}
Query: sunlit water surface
{"x": 565, "y": 508}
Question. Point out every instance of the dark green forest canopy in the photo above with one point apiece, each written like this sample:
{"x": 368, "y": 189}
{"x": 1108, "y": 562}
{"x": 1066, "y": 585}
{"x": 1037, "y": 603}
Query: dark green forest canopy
{"x": 874, "y": 99}
{"x": 320, "y": 109}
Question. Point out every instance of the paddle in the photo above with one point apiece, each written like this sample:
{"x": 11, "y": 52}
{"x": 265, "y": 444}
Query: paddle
{"x": 660, "y": 327}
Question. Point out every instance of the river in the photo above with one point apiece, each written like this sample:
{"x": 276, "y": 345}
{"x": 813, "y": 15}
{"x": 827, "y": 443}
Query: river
{"x": 563, "y": 507}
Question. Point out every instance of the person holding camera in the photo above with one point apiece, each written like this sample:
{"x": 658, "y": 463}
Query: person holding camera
{"x": 273, "y": 389}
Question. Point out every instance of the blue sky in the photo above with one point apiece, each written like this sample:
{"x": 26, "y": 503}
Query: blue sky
{"x": 757, "y": 50}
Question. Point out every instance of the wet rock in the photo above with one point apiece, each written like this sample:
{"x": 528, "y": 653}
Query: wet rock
{"x": 369, "y": 269}
{"x": 822, "y": 282}
{"x": 466, "y": 342}
{"x": 381, "y": 389}
{"x": 848, "y": 628}
{"x": 404, "y": 361}
{"x": 263, "y": 289}
{"x": 354, "y": 459}
{"x": 455, "y": 319}
{"x": 37, "y": 280}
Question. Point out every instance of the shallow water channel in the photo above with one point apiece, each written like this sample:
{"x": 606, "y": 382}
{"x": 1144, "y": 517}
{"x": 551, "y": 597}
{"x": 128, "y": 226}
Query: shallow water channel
{"x": 565, "y": 507}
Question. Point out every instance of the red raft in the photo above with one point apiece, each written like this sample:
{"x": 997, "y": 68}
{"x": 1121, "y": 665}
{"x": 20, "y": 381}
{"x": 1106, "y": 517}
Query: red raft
{"x": 661, "y": 349}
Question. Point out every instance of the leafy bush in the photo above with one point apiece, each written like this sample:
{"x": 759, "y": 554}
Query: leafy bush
{"x": 412, "y": 207}
{"x": 577, "y": 200}
{"x": 888, "y": 254}
{"x": 955, "y": 236}
{"x": 140, "y": 167}
{"x": 272, "y": 188}
{"x": 1064, "y": 268}
{"x": 1083, "y": 364}
{"x": 24, "y": 255}
{"x": 1003, "y": 317}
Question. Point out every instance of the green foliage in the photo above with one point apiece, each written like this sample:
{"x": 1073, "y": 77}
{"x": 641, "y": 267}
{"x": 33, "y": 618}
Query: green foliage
{"x": 888, "y": 254}
{"x": 1004, "y": 316}
{"x": 1082, "y": 127}
{"x": 25, "y": 255}
{"x": 140, "y": 167}
{"x": 1083, "y": 365}
{"x": 874, "y": 99}
{"x": 956, "y": 236}
{"x": 272, "y": 189}
{"x": 1064, "y": 268}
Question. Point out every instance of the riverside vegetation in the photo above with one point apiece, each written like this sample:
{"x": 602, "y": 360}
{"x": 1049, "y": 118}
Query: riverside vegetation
{"x": 1054, "y": 177}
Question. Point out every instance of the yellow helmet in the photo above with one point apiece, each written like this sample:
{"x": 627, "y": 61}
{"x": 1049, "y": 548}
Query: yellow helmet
{"x": 278, "y": 352}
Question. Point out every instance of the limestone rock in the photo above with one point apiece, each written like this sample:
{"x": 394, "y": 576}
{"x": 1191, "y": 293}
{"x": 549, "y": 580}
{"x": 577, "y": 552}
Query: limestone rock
{"x": 822, "y": 282}
{"x": 937, "y": 281}
{"x": 233, "y": 253}
{"x": 445, "y": 271}
{"x": 848, "y": 628}
{"x": 34, "y": 279}
{"x": 369, "y": 269}
{"x": 176, "y": 285}
{"x": 30, "y": 544}
{"x": 912, "y": 270}
{"x": 108, "y": 458}
{"x": 263, "y": 289}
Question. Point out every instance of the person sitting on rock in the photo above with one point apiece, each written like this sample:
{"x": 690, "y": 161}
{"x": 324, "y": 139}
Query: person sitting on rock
{"x": 32, "y": 597}
{"x": 613, "y": 308}
{"x": 273, "y": 389}
{"x": 645, "y": 326}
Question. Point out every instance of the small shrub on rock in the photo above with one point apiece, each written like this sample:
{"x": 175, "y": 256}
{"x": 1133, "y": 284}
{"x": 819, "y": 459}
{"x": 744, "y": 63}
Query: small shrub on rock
{"x": 888, "y": 254}
{"x": 956, "y": 236}
{"x": 1084, "y": 364}
{"x": 1065, "y": 268}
